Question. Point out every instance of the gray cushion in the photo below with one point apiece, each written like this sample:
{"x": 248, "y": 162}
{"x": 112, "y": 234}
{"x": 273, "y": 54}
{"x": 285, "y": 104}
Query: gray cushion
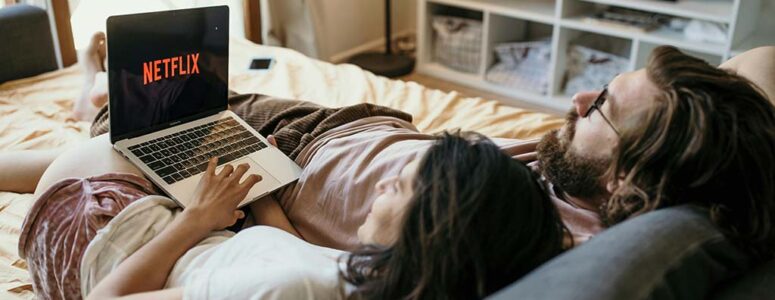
{"x": 673, "y": 253}
{"x": 759, "y": 283}
{"x": 26, "y": 43}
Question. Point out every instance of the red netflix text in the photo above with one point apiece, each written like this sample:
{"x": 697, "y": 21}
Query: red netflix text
{"x": 159, "y": 69}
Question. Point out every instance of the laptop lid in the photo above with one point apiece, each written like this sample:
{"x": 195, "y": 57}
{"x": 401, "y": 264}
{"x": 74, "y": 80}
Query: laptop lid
{"x": 166, "y": 68}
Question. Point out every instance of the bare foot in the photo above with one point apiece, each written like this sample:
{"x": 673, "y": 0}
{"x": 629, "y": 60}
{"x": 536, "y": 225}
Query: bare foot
{"x": 94, "y": 92}
{"x": 98, "y": 95}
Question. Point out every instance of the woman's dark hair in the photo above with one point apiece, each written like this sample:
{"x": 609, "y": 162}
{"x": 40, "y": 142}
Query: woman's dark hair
{"x": 478, "y": 220}
{"x": 708, "y": 139}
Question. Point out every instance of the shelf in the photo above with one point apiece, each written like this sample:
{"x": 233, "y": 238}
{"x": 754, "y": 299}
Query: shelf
{"x": 645, "y": 51}
{"x": 532, "y": 10}
{"x": 763, "y": 34}
{"x": 558, "y": 104}
{"x": 659, "y": 36}
{"x": 440, "y": 70}
{"x": 757, "y": 39}
{"x": 748, "y": 21}
{"x": 709, "y": 10}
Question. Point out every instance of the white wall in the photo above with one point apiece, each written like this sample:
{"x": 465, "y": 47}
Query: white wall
{"x": 348, "y": 25}
{"x": 89, "y": 16}
{"x": 337, "y": 29}
{"x": 334, "y": 30}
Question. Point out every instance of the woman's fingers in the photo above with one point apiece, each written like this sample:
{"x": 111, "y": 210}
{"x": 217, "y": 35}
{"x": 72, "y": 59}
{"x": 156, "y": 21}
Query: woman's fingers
{"x": 226, "y": 171}
{"x": 238, "y": 214}
{"x": 211, "y": 166}
{"x": 250, "y": 181}
{"x": 239, "y": 171}
{"x": 272, "y": 141}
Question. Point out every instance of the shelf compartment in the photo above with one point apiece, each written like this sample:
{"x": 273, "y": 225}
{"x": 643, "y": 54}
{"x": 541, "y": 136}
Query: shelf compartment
{"x": 456, "y": 37}
{"x": 557, "y": 104}
{"x": 644, "y": 51}
{"x": 609, "y": 55}
{"x": 759, "y": 38}
{"x": 524, "y": 59}
{"x": 660, "y": 36}
{"x": 762, "y": 32}
{"x": 534, "y": 10}
{"x": 709, "y": 10}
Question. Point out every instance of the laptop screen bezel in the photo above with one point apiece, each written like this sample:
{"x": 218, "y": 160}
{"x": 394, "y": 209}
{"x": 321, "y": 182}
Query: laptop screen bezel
{"x": 113, "y": 82}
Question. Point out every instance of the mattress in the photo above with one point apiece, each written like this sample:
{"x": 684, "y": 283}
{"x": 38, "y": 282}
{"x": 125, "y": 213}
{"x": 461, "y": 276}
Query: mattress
{"x": 35, "y": 113}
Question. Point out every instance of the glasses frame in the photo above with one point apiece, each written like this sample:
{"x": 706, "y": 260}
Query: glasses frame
{"x": 599, "y": 101}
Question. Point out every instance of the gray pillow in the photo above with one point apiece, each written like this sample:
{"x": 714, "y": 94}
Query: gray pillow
{"x": 672, "y": 253}
{"x": 25, "y": 42}
{"x": 759, "y": 283}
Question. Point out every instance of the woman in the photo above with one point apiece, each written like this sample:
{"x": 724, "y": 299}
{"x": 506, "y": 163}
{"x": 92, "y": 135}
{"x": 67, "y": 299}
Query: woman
{"x": 462, "y": 222}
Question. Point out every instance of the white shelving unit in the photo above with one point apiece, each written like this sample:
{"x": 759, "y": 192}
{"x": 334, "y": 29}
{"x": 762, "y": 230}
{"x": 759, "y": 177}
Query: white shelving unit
{"x": 750, "y": 23}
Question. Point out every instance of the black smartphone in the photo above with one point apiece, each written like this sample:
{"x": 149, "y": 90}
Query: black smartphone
{"x": 261, "y": 63}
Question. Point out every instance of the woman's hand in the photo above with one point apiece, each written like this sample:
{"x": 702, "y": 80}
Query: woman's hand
{"x": 217, "y": 196}
{"x": 272, "y": 141}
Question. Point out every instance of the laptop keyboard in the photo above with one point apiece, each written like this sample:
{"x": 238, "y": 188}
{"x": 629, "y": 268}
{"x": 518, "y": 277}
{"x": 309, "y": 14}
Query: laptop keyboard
{"x": 184, "y": 154}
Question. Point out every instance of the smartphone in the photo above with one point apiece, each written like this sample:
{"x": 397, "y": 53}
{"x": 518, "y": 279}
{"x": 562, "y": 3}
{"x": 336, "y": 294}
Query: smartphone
{"x": 261, "y": 63}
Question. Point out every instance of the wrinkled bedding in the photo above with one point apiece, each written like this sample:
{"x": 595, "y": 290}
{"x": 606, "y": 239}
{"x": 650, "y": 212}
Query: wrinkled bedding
{"x": 35, "y": 113}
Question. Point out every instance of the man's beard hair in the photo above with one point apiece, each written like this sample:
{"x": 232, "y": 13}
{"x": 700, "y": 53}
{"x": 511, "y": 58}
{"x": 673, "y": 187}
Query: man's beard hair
{"x": 575, "y": 174}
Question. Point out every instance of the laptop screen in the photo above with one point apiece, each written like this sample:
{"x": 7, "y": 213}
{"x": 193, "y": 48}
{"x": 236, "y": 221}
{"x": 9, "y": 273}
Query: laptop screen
{"x": 165, "y": 68}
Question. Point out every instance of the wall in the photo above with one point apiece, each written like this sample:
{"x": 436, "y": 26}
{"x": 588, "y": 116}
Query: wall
{"x": 334, "y": 30}
{"x": 89, "y": 15}
{"x": 352, "y": 26}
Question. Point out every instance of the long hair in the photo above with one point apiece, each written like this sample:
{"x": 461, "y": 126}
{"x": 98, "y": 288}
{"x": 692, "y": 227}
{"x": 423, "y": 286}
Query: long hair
{"x": 709, "y": 139}
{"x": 478, "y": 220}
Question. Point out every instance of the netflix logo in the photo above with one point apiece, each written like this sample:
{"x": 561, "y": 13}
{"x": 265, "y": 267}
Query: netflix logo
{"x": 159, "y": 69}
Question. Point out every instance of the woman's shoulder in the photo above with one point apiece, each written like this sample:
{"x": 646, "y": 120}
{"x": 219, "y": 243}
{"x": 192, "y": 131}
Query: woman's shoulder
{"x": 266, "y": 262}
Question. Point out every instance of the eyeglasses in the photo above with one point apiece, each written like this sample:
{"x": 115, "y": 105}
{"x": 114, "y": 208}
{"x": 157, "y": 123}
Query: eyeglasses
{"x": 596, "y": 106}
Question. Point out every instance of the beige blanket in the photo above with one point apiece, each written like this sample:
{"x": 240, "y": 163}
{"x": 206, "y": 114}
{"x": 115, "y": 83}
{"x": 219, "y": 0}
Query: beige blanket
{"x": 35, "y": 114}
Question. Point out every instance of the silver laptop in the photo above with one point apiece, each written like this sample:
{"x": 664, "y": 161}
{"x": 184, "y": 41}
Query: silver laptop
{"x": 168, "y": 89}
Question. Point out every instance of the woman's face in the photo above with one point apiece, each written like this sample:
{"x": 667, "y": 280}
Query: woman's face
{"x": 393, "y": 195}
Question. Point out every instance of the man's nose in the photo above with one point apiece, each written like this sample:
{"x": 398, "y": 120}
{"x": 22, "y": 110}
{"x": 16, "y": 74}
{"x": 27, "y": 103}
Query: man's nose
{"x": 583, "y": 100}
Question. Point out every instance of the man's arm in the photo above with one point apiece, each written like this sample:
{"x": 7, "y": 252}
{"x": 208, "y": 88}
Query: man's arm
{"x": 758, "y": 66}
{"x": 267, "y": 211}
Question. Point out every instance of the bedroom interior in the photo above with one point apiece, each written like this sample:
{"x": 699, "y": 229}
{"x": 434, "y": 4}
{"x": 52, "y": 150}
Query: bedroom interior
{"x": 503, "y": 68}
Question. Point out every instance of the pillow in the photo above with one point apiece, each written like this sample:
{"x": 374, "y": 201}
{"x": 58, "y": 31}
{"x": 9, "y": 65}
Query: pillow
{"x": 671, "y": 253}
{"x": 757, "y": 284}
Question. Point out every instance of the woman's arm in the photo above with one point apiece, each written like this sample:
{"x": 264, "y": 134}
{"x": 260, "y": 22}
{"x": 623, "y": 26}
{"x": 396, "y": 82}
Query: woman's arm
{"x": 213, "y": 207}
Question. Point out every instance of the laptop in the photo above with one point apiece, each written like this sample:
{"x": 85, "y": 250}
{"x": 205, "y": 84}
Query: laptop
{"x": 168, "y": 90}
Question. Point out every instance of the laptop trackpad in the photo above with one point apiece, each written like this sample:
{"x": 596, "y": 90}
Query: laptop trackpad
{"x": 267, "y": 184}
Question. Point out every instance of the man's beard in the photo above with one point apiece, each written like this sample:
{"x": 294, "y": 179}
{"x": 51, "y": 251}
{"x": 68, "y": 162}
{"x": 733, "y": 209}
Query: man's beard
{"x": 575, "y": 174}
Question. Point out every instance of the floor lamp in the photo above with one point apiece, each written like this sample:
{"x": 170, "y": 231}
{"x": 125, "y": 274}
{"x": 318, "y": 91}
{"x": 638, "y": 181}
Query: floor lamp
{"x": 385, "y": 63}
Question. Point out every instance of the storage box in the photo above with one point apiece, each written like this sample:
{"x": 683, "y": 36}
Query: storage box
{"x": 457, "y": 43}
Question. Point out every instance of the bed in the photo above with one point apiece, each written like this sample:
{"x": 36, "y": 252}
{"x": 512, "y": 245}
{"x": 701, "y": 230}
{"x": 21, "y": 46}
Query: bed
{"x": 35, "y": 113}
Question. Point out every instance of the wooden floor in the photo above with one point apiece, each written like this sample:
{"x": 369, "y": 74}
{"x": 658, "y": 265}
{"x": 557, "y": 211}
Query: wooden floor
{"x": 447, "y": 86}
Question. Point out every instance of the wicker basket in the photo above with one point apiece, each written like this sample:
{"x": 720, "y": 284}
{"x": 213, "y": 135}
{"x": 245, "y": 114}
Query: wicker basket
{"x": 457, "y": 43}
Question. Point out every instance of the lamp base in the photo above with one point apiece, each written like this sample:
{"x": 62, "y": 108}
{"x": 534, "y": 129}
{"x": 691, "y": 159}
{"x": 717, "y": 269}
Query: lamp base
{"x": 388, "y": 65}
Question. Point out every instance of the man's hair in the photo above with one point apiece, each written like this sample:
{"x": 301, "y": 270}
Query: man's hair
{"x": 708, "y": 139}
{"x": 478, "y": 220}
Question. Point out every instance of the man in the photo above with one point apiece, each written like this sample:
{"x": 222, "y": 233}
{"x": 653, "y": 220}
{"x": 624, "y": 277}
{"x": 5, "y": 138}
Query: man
{"x": 679, "y": 131}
